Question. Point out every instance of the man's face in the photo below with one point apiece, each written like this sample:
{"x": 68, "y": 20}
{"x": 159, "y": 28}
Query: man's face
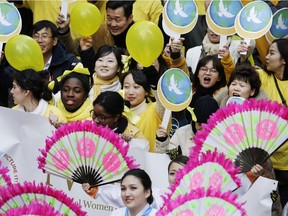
{"x": 45, "y": 40}
{"x": 116, "y": 20}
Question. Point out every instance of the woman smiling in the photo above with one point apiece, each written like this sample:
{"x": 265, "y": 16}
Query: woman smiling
{"x": 74, "y": 88}
{"x": 136, "y": 193}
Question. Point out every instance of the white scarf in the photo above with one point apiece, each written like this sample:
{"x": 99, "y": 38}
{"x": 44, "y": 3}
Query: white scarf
{"x": 40, "y": 109}
{"x": 140, "y": 108}
{"x": 115, "y": 86}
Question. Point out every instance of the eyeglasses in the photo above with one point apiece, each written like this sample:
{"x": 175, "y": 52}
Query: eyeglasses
{"x": 43, "y": 37}
{"x": 205, "y": 69}
{"x": 100, "y": 118}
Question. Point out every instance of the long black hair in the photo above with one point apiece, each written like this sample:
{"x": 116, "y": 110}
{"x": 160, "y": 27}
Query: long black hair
{"x": 282, "y": 45}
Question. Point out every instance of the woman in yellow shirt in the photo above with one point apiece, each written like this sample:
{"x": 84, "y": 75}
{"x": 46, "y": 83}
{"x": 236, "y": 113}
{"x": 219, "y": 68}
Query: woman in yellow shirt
{"x": 31, "y": 94}
{"x": 274, "y": 81}
{"x": 108, "y": 110}
{"x": 74, "y": 88}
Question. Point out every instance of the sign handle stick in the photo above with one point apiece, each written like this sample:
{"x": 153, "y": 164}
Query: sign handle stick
{"x": 64, "y": 8}
{"x": 166, "y": 118}
{"x": 247, "y": 41}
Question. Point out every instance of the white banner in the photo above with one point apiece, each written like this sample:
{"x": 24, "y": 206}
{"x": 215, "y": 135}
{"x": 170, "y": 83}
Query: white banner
{"x": 258, "y": 199}
{"x": 23, "y": 134}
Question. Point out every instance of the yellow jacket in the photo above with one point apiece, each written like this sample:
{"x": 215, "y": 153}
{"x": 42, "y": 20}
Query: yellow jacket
{"x": 280, "y": 157}
{"x": 149, "y": 10}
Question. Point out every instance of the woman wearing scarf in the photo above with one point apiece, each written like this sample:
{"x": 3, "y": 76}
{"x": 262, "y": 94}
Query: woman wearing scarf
{"x": 105, "y": 69}
{"x": 31, "y": 94}
{"x": 74, "y": 89}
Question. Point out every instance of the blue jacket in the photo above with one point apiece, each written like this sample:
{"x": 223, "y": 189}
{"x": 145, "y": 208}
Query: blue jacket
{"x": 61, "y": 61}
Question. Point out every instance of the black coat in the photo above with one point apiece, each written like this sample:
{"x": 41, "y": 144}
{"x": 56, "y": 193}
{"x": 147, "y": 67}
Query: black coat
{"x": 61, "y": 61}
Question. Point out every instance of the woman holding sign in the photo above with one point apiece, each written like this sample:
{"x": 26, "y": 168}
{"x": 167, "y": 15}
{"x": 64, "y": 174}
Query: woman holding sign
{"x": 275, "y": 84}
{"x": 209, "y": 78}
{"x": 137, "y": 90}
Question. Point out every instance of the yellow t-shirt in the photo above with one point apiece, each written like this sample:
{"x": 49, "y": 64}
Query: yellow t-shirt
{"x": 280, "y": 157}
{"x": 149, "y": 124}
{"x": 149, "y": 10}
{"x": 201, "y": 7}
{"x": 48, "y": 10}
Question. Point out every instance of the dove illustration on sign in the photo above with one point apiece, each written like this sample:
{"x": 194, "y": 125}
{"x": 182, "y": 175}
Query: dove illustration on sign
{"x": 224, "y": 11}
{"x": 3, "y": 20}
{"x": 253, "y": 16}
{"x": 179, "y": 10}
{"x": 173, "y": 86}
{"x": 281, "y": 24}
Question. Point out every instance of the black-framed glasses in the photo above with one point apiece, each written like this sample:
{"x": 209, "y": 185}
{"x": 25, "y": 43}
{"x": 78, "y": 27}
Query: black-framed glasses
{"x": 42, "y": 36}
{"x": 100, "y": 118}
{"x": 206, "y": 69}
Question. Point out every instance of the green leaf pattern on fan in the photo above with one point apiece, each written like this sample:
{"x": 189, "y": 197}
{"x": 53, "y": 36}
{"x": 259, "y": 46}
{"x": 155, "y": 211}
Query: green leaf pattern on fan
{"x": 90, "y": 150}
{"x": 28, "y": 198}
{"x": 213, "y": 206}
{"x": 209, "y": 174}
{"x": 258, "y": 129}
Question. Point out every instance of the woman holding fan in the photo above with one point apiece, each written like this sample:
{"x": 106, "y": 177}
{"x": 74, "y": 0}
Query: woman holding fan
{"x": 275, "y": 84}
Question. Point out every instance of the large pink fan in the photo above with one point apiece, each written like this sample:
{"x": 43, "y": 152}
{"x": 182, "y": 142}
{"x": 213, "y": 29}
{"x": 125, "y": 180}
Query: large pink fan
{"x": 86, "y": 153}
{"x": 5, "y": 180}
{"x": 34, "y": 209}
{"x": 19, "y": 196}
{"x": 246, "y": 133}
{"x": 211, "y": 170}
{"x": 200, "y": 202}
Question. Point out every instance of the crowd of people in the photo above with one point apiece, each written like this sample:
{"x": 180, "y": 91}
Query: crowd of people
{"x": 85, "y": 78}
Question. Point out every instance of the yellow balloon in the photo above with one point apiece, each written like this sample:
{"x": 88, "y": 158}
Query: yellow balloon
{"x": 144, "y": 42}
{"x": 85, "y": 19}
{"x": 22, "y": 52}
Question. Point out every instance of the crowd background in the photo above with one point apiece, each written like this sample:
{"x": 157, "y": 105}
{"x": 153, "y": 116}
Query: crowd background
{"x": 87, "y": 77}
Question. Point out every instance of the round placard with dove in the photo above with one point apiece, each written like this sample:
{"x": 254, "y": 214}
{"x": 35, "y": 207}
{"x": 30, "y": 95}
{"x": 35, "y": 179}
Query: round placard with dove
{"x": 254, "y": 20}
{"x": 279, "y": 27}
{"x": 221, "y": 16}
{"x": 10, "y": 21}
{"x": 180, "y": 15}
{"x": 175, "y": 89}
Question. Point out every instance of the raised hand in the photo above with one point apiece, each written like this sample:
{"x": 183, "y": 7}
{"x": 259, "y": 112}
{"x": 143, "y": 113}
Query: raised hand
{"x": 62, "y": 23}
{"x": 86, "y": 43}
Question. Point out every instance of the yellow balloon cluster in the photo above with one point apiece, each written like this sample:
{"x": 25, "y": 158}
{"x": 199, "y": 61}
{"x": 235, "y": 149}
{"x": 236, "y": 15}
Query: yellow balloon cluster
{"x": 144, "y": 42}
{"x": 85, "y": 19}
{"x": 22, "y": 52}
